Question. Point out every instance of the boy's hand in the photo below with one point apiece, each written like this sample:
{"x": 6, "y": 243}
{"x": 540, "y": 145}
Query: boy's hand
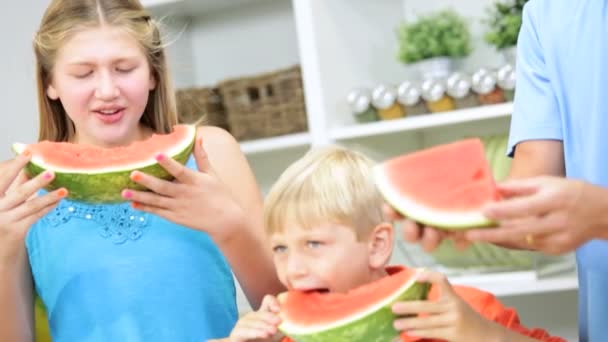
{"x": 449, "y": 318}
{"x": 258, "y": 325}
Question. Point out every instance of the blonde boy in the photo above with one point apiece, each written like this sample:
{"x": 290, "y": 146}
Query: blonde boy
{"x": 328, "y": 233}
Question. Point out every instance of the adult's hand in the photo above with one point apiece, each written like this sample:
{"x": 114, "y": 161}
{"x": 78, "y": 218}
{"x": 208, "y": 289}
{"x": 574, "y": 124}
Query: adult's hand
{"x": 553, "y": 215}
{"x": 429, "y": 237}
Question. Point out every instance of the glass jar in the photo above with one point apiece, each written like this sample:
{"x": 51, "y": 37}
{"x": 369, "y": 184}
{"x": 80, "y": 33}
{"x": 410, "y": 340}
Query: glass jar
{"x": 360, "y": 103}
{"x": 484, "y": 84}
{"x": 434, "y": 94}
{"x": 506, "y": 81}
{"x": 384, "y": 98}
{"x": 409, "y": 96}
{"x": 459, "y": 88}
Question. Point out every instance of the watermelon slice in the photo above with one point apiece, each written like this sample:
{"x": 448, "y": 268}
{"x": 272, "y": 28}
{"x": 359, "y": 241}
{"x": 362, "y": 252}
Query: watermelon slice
{"x": 444, "y": 186}
{"x": 363, "y": 314}
{"x": 98, "y": 175}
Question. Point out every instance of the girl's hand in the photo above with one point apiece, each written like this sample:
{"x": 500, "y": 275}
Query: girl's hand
{"x": 199, "y": 200}
{"x": 551, "y": 214}
{"x": 449, "y": 318}
{"x": 19, "y": 205}
{"x": 257, "y": 325}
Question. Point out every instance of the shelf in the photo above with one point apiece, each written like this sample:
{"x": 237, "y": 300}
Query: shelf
{"x": 422, "y": 121}
{"x": 275, "y": 143}
{"x": 518, "y": 283}
{"x": 191, "y": 7}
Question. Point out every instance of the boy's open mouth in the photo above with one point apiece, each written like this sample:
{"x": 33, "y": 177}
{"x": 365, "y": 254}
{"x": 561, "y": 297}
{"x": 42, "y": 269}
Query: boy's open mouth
{"x": 319, "y": 290}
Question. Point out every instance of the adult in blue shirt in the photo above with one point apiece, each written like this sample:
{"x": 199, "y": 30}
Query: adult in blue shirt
{"x": 557, "y": 129}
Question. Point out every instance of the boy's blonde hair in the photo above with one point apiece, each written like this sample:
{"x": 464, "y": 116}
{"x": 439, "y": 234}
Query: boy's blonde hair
{"x": 327, "y": 185}
{"x": 61, "y": 21}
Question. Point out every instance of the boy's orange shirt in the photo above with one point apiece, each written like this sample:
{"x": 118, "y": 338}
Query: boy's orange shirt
{"x": 487, "y": 305}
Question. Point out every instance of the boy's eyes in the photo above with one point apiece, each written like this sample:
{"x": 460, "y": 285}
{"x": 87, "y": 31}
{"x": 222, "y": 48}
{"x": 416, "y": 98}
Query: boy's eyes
{"x": 279, "y": 249}
{"x": 314, "y": 244}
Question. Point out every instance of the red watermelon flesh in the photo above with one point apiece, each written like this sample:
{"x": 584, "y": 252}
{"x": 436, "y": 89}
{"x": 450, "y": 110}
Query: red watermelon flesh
{"x": 445, "y": 186}
{"x": 98, "y": 175}
{"x": 358, "y": 315}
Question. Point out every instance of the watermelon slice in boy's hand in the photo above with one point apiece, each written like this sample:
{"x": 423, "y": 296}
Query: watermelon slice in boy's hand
{"x": 445, "y": 186}
{"x": 363, "y": 314}
{"x": 98, "y": 175}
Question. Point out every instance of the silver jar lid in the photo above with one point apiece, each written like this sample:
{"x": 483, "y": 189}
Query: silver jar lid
{"x": 484, "y": 81}
{"x": 408, "y": 94}
{"x": 506, "y": 77}
{"x": 384, "y": 96}
{"x": 458, "y": 85}
{"x": 359, "y": 100}
{"x": 433, "y": 90}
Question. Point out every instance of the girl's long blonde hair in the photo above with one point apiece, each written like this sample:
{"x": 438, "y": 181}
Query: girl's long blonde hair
{"x": 61, "y": 21}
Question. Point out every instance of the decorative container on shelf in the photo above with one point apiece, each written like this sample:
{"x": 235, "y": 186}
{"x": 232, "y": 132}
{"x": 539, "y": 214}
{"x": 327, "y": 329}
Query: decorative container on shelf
{"x": 201, "y": 105}
{"x": 265, "y": 105}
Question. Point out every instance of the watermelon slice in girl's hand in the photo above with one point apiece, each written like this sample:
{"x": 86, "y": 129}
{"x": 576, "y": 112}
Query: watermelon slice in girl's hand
{"x": 445, "y": 186}
{"x": 362, "y": 315}
{"x": 98, "y": 175}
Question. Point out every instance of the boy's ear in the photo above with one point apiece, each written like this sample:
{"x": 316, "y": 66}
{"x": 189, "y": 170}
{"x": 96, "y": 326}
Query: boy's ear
{"x": 380, "y": 245}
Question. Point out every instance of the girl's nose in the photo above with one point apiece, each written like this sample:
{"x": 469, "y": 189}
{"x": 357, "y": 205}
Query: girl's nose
{"x": 106, "y": 87}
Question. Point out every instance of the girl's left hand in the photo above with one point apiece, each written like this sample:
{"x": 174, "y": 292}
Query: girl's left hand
{"x": 199, "y": 200}
{"x": 448, "y": 318}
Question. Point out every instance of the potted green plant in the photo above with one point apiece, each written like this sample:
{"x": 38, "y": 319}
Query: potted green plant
{"x": 503, "y": 22}
{"x": 432, "y": 41}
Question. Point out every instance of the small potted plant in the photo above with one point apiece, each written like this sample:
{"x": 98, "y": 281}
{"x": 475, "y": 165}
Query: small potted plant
{"x": 504, "y": 22}
{"x": 432, "y": 41}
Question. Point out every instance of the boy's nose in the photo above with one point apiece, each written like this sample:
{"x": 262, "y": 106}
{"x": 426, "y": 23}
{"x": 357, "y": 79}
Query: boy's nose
{"x": 296, "y": 268}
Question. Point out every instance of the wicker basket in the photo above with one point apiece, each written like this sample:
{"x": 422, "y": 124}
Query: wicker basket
{"x": 201, "y": 105}
{"x": 265, "y": 105}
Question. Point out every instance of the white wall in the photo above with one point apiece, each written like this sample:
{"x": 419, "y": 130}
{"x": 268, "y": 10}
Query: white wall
{"x": 18, "y": 22}
{"x": 246, "y": 40}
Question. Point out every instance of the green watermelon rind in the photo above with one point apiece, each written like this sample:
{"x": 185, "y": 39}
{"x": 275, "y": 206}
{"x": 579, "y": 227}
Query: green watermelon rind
{"x": 374, "y": 325}
{"x": 105, "y": 187}
{"x": 442, "y": 219}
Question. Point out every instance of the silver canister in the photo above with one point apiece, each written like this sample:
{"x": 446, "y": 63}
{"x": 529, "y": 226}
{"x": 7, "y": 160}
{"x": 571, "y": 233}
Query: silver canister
{"x": 483, "y": 81}
{"x": 433, "y": 90}
{"x": 506, "y": 77}
{"x": 409, "y": 95}
{"x": 384, "y": 96}
{"x": 458, "y": 87}
{"x": 360, "y": 103}
{"x": 435, "y": 97}
{"x": 506, "y": 81}
{"x": 384, "y": 99}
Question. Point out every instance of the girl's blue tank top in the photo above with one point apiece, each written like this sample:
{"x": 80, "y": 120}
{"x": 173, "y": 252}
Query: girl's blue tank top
{"x": 113, "y": 273}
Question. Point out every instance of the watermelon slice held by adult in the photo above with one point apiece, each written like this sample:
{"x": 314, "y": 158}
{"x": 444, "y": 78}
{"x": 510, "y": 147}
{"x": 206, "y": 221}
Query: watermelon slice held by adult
{"x": 445, "y": 186}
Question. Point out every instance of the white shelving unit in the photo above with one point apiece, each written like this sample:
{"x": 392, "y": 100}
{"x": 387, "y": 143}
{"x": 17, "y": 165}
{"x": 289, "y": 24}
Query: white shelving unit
{"x": 339, "y": 44}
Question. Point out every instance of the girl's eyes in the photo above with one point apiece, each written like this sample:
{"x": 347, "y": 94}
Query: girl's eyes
{"x": 125, "y": 70}
{"x": 83, "y": 74}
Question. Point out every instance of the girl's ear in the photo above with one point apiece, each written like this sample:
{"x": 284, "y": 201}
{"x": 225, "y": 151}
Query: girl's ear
{"x": 152, "y": 81}
{"x": 380, "y": 245}
{"x": 51, "y": 92}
